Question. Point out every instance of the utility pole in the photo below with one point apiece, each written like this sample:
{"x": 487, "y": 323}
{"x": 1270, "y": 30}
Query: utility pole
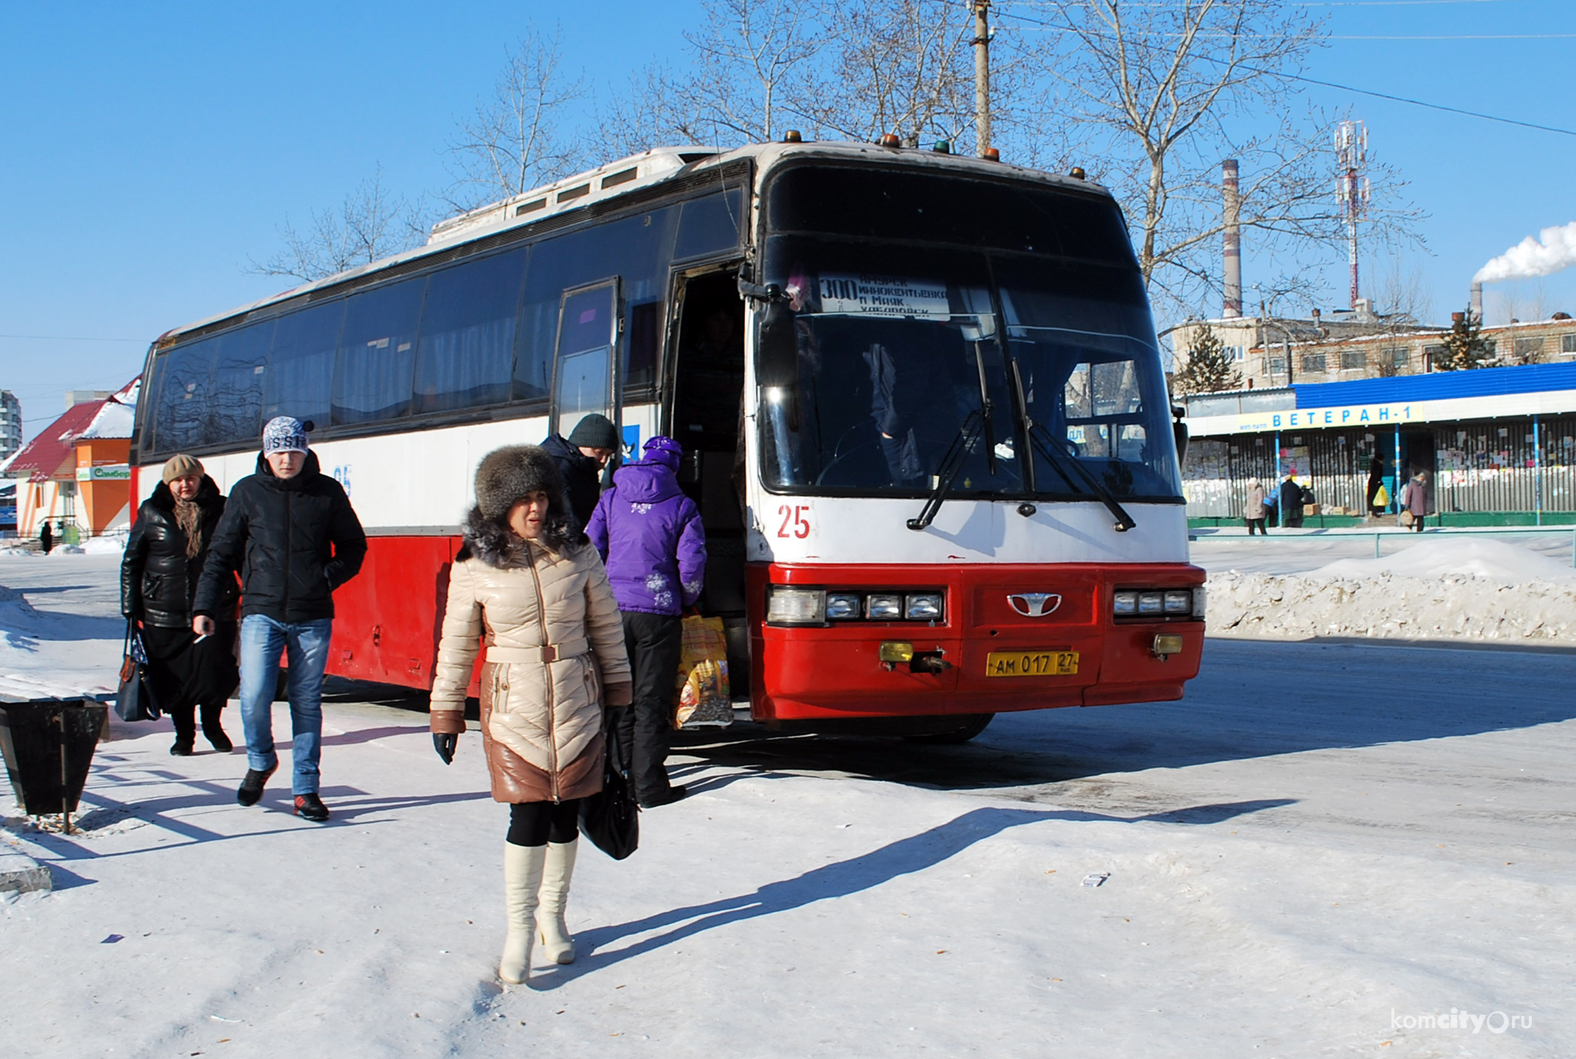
{"x": 981, "y": 76}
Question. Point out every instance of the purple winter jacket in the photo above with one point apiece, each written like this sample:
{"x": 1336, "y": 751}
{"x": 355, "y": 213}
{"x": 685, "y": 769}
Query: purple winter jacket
{"x": 650, "y": 536}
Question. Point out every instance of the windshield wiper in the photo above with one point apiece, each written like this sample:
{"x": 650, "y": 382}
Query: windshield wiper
{"x": 951, "y": 463}
{"x": 1042, "y": 439}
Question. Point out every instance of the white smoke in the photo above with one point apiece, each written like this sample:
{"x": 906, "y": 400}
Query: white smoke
{"x": 1554, "y": 249}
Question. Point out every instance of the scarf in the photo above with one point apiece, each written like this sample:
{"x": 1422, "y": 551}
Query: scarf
{"x": 188, "y": 516}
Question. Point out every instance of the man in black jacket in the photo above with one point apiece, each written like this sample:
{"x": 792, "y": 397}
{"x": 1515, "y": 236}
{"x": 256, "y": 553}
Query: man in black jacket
{"x": 581, "y": 458}
{"x": 291, "y": 532}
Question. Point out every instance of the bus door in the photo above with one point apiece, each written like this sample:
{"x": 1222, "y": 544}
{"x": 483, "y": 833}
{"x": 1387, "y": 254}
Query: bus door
{"x": 584, "y": 365}
{"x": 705, "y": 385}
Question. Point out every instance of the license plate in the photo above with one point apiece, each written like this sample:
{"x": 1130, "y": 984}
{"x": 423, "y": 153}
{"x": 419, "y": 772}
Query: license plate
{"x": 1031, "y": 663}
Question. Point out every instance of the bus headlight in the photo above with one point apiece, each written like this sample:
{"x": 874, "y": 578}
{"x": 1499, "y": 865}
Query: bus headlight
{"x": 796, "y": 606}
{"x": 1125, "y": 604}
{"x": 1179, "y": 601}
{"x": 842, "y": 606}
{"x": 884, "y": 606}
{"x": 922, "y": 606}
{"x": 1151, "y": 602}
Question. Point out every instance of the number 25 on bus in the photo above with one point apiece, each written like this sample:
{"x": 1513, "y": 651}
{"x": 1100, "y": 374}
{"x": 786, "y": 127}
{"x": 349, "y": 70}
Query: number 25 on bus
{"x": 931, "y": 445}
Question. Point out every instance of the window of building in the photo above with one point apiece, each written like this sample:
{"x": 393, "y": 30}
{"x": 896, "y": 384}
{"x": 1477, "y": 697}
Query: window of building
{"x": 1432, "y": 355}
{"x": 1313, "y": 362}
{"x": 1396, "y": 357}
{"x": 1277, "y": 365}
{"x": 1568, "y": 344}
{"x": 1236, "y": 353}
{"x": 1353, "y": 358}
{"x": 1529, "y": 348}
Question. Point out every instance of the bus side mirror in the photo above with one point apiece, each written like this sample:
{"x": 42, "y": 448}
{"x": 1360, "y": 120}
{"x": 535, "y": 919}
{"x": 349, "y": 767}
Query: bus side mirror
{"x": 776, "y": 347}
{"x": 1179, "y": 431}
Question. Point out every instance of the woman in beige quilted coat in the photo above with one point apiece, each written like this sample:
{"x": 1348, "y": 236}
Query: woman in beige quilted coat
{"x": 532, "y": 590}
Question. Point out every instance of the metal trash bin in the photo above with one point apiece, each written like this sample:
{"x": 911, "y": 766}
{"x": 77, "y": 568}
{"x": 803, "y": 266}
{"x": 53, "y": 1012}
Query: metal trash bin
{"x": 48, "y": 746}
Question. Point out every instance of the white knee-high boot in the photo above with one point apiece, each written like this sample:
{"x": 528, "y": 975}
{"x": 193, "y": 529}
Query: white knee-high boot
{"x": 522, "y": 878}
{"x": 557, "y": 945}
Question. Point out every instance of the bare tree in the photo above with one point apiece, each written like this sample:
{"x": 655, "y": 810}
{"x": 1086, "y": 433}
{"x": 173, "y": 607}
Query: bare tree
{"x": 898, "y": 66}
{"x": 370, "y": 224}
{"x": 751, "y": 60}
{"x": 1154, "y": 94}
{"x": 1402, "y": 294}
{"x": 512, "y": 142}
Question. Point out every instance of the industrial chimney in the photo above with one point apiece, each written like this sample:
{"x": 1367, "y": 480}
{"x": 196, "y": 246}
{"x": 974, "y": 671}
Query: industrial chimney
{"x": 1233, "y": 240}
{"x": 1476, "y": 302}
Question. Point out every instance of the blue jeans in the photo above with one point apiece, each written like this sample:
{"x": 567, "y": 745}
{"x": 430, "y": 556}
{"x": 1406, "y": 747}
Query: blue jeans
{"x": 263, "y": 640}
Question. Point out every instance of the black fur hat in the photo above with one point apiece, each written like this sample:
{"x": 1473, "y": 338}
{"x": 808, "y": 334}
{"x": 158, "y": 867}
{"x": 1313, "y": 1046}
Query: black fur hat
{"x": 504, "y": 476}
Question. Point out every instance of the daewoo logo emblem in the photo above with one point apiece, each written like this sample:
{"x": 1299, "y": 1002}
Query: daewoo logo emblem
{"x": 1034, "y": 604}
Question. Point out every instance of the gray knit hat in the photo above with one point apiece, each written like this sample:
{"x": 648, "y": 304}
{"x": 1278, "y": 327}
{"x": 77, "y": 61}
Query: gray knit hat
{"x": 284, "y": 434}
{"x": 512, "y": 472}
{"x": 595, "y": 431}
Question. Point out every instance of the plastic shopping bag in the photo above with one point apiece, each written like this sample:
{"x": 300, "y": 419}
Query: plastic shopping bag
{"x": 702, "y": 693}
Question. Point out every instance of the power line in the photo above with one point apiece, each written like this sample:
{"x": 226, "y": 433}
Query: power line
{"x": 1351, "y": 88}
{"x": 72, "y": 338}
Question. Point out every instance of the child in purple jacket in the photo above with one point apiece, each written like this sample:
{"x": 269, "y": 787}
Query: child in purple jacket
{"x": 651, "y": 539}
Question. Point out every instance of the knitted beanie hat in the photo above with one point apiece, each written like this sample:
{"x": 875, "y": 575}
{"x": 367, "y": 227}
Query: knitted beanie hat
{"x": 515, "y": 471}
{"x": 284, "y": 434}
{"x": 179, "y": 466}
{"x": 595, "y": 432}
{"x": 664, "y": 450}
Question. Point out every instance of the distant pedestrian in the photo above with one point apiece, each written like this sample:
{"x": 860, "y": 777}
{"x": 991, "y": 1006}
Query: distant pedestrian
{"x": 1414, "y": 498}
{"x": 650, "y": 535}
{"x": 527, "y": 581}
{"x": 581, "y": 458}
{"x": 1376, "y": 506}
{"x": 1253, "y": 507}
{"x": 46, "y": 538}
{"x": 164, "y": 560}
{"x": 1290, "y": 503}
{"x": 290, "y": 531}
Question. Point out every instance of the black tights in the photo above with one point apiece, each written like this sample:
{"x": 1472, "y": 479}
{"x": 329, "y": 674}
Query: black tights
{"x": 538, "y": 823}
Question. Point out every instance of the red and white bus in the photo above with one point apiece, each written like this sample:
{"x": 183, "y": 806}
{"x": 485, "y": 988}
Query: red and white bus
{"x": 920, "y": 396}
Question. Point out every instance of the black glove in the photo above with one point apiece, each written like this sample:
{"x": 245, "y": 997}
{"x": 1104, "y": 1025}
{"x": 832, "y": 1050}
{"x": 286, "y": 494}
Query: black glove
{"x": 445, "y": 744}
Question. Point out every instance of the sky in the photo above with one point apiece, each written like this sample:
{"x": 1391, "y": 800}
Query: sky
{"x": 152, "y": 151}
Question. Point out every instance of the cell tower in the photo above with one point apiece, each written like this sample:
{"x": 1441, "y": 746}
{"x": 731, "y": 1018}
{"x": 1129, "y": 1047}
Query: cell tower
{"x": 1351, "y": 186}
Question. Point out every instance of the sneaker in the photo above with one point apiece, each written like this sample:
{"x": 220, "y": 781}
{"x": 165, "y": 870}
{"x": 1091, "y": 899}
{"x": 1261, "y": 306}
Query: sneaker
{"x": 252, "y": 785}
{"x": 667, "y": 797}
{"x": 311, "y": 807}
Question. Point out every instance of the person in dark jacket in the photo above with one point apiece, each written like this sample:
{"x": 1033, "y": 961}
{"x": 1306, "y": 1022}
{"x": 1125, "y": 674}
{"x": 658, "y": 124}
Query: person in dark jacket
{"x": 1290, "y": 503}
{"x": 46, "y": 538}
{"x": 291, "y": 532}
{"x": 1375, "y": 483}
{"x": 650, "y": 536}
{"x": 581, "y": 458}
{"x": 164, "y": 558}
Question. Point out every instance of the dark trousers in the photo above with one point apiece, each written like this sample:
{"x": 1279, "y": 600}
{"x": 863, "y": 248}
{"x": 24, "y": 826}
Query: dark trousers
{"x": 538, "y": 823}
{"x": 1258, "y": 524}
{"x": 654, "y": 643}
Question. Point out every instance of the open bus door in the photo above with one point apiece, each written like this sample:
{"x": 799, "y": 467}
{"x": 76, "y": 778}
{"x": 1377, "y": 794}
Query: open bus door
{"x": 704, "y": 412}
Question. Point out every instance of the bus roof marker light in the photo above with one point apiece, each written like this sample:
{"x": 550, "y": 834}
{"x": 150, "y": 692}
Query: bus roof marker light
{"x": 792, "y": 136}
{"x": 942, "y": 147}
{"x": 1077, "y": 173}
{"x": 991, "y": 155}
{"x": 889, "y": 139}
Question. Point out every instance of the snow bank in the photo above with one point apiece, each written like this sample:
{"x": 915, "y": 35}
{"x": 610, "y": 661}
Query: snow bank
{"x": 108, "y": 544}
{"x": 1442, "y": 558}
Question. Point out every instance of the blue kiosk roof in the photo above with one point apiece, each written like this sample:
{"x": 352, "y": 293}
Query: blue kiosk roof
{"x": 1439, "y": 386}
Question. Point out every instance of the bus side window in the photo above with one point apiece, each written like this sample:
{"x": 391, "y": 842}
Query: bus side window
{"x": 237, "y": 400}
{"x": 372, "y": 374}
{"x": 583, "y": 377}
{"x": 184, "y": 382}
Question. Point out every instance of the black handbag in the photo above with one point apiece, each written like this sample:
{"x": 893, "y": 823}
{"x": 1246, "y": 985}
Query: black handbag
{"x": 610, "y": 818}
{"x": 134, "y": 701}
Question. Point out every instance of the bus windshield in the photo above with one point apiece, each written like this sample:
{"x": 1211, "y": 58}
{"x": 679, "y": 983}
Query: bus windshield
{"x": 1044, "y": 373}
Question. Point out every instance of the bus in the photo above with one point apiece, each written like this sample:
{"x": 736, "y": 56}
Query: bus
{"x": 920, "y": 397}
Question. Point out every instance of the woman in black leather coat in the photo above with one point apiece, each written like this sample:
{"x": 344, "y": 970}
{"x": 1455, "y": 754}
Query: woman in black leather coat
{"x": 158, "y": 578}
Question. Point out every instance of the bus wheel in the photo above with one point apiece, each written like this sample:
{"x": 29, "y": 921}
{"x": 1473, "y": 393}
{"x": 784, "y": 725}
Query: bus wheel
{"x": 971, "y": 727}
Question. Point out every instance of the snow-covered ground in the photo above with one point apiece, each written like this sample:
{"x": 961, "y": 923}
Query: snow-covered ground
{"x": 1464, "y": 587}
{"x": 1322, "y": 850}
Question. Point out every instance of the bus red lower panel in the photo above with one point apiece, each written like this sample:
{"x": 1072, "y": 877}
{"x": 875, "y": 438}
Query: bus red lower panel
{"x": 387, "y": 618}
{"x": 835, "y": 671}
